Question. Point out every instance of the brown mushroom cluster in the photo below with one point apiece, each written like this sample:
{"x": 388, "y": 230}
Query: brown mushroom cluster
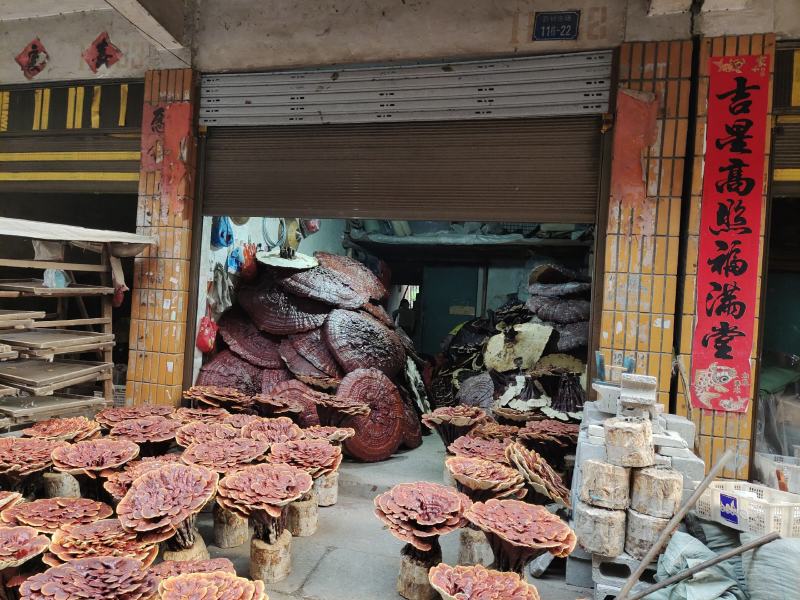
{"x": 482, "y": 479}
{"x": 494, "y": 431}
{"x": 418, "y": 513}
{"x": 538, "y": 473}
{"x": 94, "y": 457}
{"x": 476, "y": 582}
{"x": 191, "y": 433}
{"x": 205, "y": 415}
{"x": 92, "y": 579}
{"x": 73, "y": 429}
{"x": 272, "y": 431}
{"x": 20, "y": 544}
{"x": 106, "y": 537}
{"x": 260, "y": 492}
{"x": 20, "y": 457}
{"x": 269, "y": 405}
{"x": 217, "y": 585}
{"x": 334, "y": 435}
{"x": 171, "y": 568}
{"x": 316, "y": 457}
{"x": 334, "y": 409}
{"x": 219, "y": 397}
{"x": 551, "y": 438}
{"x": 48, "y": 514}
{"x": 160, "y": 501}
{"x": 151, "y": 429}
{"x": 239, "y": 420}
{"x": 118, "y": 483}
{"x": 518, "y": 532}
{"x": 451, "y": 422}
{"x": 225, "y": 455}
{"x": 111, "y": 416}
{"x": 511, "y": 416}
{"x": 471, "y": 447}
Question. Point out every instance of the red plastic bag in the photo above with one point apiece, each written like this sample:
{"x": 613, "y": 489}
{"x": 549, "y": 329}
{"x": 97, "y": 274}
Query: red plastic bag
{"x": 249, "y": 264}
{"x": 206, "y": 335}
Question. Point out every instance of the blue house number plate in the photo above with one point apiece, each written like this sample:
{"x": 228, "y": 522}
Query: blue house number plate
{"x": 556, "y": 26}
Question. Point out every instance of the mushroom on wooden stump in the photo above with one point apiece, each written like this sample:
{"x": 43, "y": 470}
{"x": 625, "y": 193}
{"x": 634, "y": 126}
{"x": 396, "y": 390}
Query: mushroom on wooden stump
{"x": 418, "y": 513}
{"x": 91, "y": 459}
{"x": 105, "y": 537}
{"x": 327, "y": 486}
{"x": 162, "y": 505}
{"x": 154, "y": 434}
{"x": 260, "y": 493}
{"x": 538, "y": 474}
{"x": 73, "y": 429}
{"x": 118, "y": 483}
{"x": 479, "y": 583}
{"x": 214, "y": 396}
{"x": 217, "y": 585}
{"x": 109, "y": 417}
{"x": 22, "y": 460}
{"x": 49, "y": 514}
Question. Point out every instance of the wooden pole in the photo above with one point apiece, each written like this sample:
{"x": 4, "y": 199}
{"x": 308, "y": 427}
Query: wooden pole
{"x": 673, "y": 523}
{"x": 764, "y": 539}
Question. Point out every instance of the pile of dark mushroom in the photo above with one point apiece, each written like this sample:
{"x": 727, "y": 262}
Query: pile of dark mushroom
{"x": 309, "y": 330}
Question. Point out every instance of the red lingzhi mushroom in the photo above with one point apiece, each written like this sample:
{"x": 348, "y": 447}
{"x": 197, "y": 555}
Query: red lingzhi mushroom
{"x": 171, "y": 568}
{"x": 106, "y": 537}
{"x": 494, "y": 431}
{"x": 316, "y": 457}
{"x": 198, "y": 431}
{"x": 9, "y": 499}
{"x": 476, "y": 582}
{"x": 451, "y": 422}
{"x": 118, "y": 483}
{"x": 225, "y": 455}
{"x": 94, "y": 457}
{"x": 154, "y": 434}
{"x": 220, "y": 397}
{"x": 21, "y": 458}
{"x": 111, "y": 416}
{"x": 482, "y": 479}
{"x": 48, "y": 514}
{"x": 471, "y": 447}
{"x": 217, "y": 585}
{"x": 18, "y": 545}
{"x": 551, "y": 438}
{"x": 73, "y": 429}
{"x": 206, "y": 415}
{"x": 280, "y": 429}
{"x": 538, "y": 473}
{"x": 334, "y": 435}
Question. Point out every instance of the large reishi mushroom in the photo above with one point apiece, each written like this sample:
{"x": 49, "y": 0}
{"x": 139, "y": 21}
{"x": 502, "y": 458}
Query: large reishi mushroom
{"x": 94, "y": 457}
{"x": 297, "y": 392}
{"x": 482, "y": 479}
{"x": 323, "y": 285}
{"x": 171, "y": 568}
{"x": 18, "y": 545}
{"x": 162, "y": 504}
{"x": 206, "y": 415}
{"x": 198, "y": 431}
{"x": 357, "y": 275}
{"x": 227, "y": 369}
{"x": 334, "y": 435}
{"x": 106, "y": 537}
{"x": 272, "y": 377}
{"x": 511, "y": 416}
{"x": 217, "y": 585}
{"x": 538, "y": 473}
{"x": 272, "y": 431}
{"x": 316, "y": 457}
{"x": 311, "y": 346}
{"x": 551, "y": 438}
{"x": 476, "y": 582}
{"x": 153, "y": 434}
{"x": 245, "y": 340}
{"x": 518, "y": 532}
{"x": 21, "y": 458}
{"x": 118, "y": 483}
{"x": 274, "y": 311}
{"x": 260, "y": 492}
{"x": 380, "y": 432}
{"x": 225, "y": 455}
{"x": 268, "y": 405}
{"x": 451, "y": 422}
{"x": 73, "y": 429}
{"x": 303, "y": 369}
{"x": 494, "y": 431}
{"x": 358, "y": 341}
{"x": 48, "y": 514}
{"x": 336, "y": 409}
{"x": 472, "y": 447}
{"x": 97, "y": 578}
{"x": 109, "y": 417}
{"x": 228, "y": 398}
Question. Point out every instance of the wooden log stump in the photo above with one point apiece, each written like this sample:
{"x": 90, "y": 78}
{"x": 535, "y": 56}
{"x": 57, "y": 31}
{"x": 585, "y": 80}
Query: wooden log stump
{"x": 657, "y": 491}
{"x": 302, "y": 516}
{"x": 230, "y": 530}
{"x": 327, "y": 489}
{"x": 473, "y": 548}
{"x": 599, "y": 530}
{"x": 61, "y": 485}
{"x": 271, "y": 562}
{"x": 605, "y": 485}
{"x": 642, "y": 532}
{"x": 198, "y": 551}
{"x": 412, "y": 582}
{"x": 629, "y": 442}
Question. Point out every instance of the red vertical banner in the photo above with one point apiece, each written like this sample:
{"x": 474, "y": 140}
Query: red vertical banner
{"x": 730, "y": 227}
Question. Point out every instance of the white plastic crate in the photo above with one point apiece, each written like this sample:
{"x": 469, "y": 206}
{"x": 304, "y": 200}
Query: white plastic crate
{"x": 751, "y": 507}
{"x": 767, "y": 466}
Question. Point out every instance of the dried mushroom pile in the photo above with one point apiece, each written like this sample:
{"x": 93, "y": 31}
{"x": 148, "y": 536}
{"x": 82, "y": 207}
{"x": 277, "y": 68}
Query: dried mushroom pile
{"x": 299, "y": 337}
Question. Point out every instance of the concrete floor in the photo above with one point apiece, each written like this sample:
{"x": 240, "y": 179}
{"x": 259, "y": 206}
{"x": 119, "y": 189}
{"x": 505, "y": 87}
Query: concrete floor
{"x": 352, "y": 557}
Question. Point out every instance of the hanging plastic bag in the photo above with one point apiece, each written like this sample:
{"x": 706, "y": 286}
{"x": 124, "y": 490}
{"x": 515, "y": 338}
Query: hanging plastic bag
{"x": 235, "y": 261}
{"x": 206, "y": 335}
{"x": 249, "y": 263}
{"x": 221, "y": 232}
{"x": 220, "y": 291}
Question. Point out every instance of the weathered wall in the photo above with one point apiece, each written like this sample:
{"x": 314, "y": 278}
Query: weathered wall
{"x": 65, "y": 37}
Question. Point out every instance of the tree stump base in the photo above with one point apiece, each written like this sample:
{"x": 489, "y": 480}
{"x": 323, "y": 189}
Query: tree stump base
{"x": 302, "y": 517}
{"x": 271, "y": 562}
{"x": 230, "y": 530}
{"x": 413, "y": 583}
{"x": 327, "y": 489}
{"x": 197, "y": 552}
{"x": 474, "y": 548}
{"x": 61, "y": 485}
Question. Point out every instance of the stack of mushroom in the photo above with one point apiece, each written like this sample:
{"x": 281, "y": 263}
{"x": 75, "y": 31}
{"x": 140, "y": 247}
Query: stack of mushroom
{"x": 260, "y": 493}
{"x": 92, "y": 578}
{"x": 418, "y": 513}
{"x": 91, "y": 459}
{"x": 479, "y": 583}
{"x": 18, "y": 545}
{"x": 22, "y": 460}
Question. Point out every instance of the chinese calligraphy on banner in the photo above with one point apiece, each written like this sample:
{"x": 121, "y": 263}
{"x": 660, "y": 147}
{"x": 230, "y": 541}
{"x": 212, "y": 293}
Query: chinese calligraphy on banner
{"x": 730, "y": 224}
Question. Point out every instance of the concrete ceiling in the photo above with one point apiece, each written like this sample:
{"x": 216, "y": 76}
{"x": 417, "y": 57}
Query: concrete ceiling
{"x": 13, "y": 10}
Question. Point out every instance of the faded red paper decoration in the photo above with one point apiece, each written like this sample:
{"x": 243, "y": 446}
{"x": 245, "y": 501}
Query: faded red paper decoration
{"x": 33, "y": 59}
{"x": 101, "y": 52}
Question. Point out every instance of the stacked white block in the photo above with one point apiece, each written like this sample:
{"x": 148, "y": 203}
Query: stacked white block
{"x": 629, "y": 441}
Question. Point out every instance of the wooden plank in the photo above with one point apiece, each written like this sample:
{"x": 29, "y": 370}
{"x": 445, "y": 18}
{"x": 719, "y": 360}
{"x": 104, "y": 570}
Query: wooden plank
{"x": 42, "y": 407}
{"x": 6, "y": 391}
{"x": 35, "y": 287}
{"x": 9, "y": 355}
{"x": 8, "y": 313}
{"x": 72, "y": 322}
{"x": 53, "y": 338}
{"x": 33, "y": 372}
{"x": 78, "y": 349}
{"x": 49, "y": 389}
{"x": 20, "y": 324}
{"x": 51, "y": 264}
{"x": 7, "y": 294}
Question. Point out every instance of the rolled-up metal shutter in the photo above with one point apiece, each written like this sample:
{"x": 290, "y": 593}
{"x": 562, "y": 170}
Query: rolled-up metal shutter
{"x": 507, "y": 139}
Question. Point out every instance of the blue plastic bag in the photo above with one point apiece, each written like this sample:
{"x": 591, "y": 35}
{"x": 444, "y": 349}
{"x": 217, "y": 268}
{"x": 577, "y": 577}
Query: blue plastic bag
{"x": 221, "y": 232}
{"x": 235, "y": 261}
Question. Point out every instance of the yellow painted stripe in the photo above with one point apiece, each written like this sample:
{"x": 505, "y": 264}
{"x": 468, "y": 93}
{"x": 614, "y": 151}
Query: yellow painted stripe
{"x": 786, "y": 175}
{"x": 45, "y": 122}
{"x": 96, "y": 91}
{"x": 4, "y": 100}
{"x": 71, "y": 108}
{"x": 37, "y": 109}
{"x": 48, "y": 156}
{"x": 796, "y": 79}
{"x": 123, "y": 104}
{"x": 68, "y": 176}
{"x": 79, "y": 92}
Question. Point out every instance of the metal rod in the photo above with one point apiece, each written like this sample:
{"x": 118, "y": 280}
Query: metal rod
{"x": 764, "y": 539}
{"x": 673, "y": 522}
